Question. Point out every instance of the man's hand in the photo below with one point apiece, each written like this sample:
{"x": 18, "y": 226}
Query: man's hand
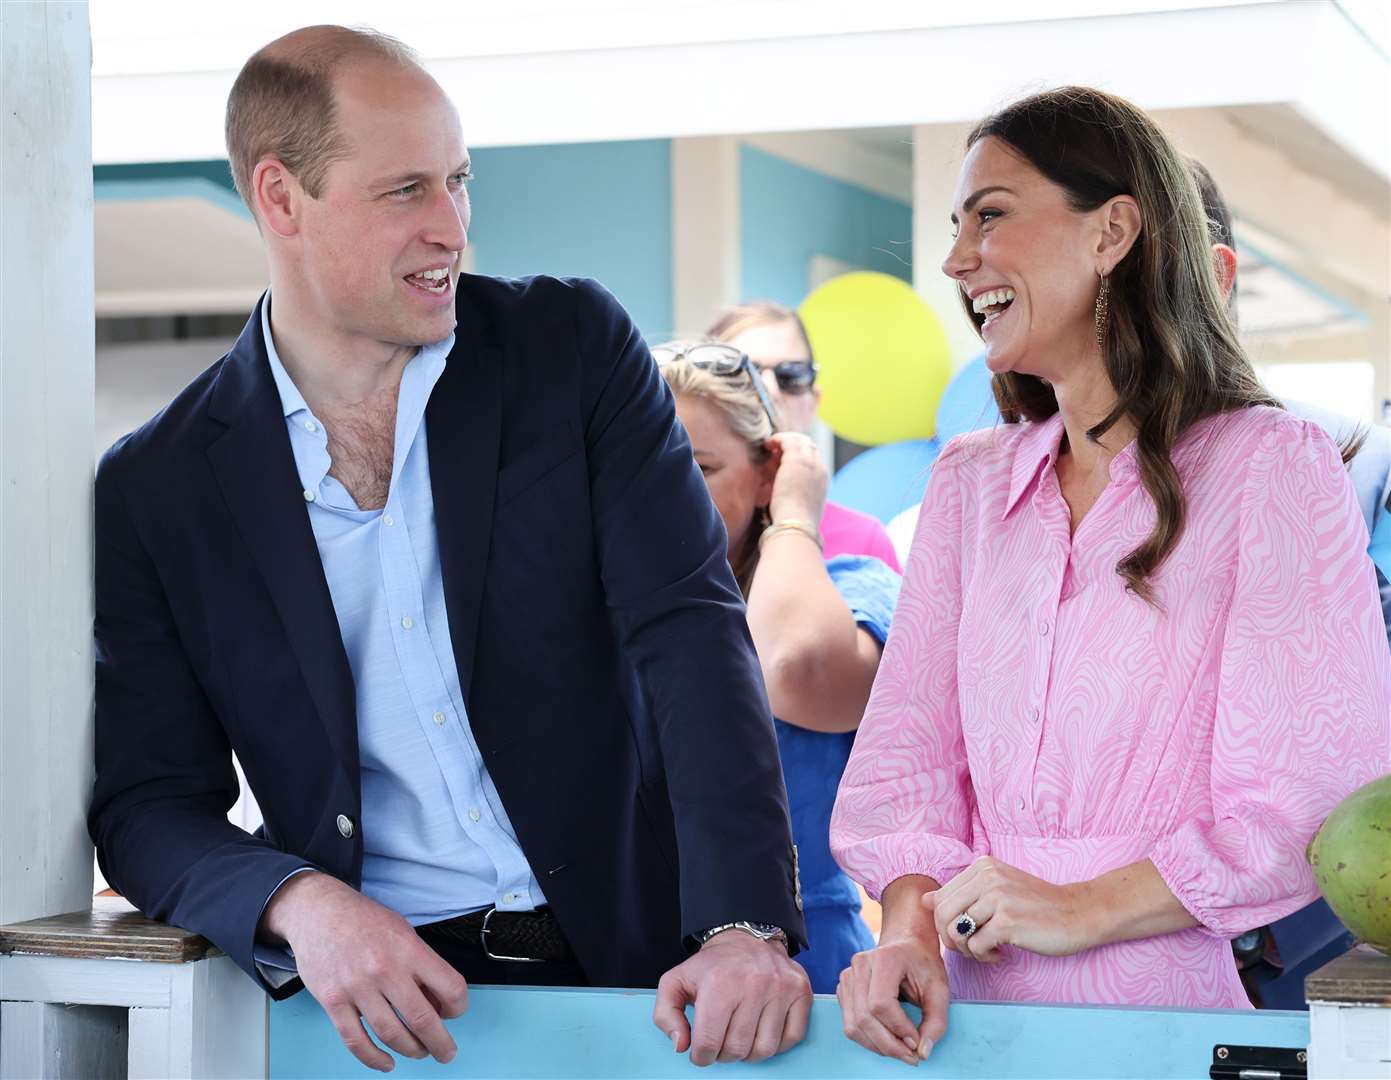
{"x": 363, "y": 961}
{"x": 752, "y": 1000}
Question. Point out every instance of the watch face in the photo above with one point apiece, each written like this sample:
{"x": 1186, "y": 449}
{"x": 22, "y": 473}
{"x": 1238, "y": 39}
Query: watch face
{"x": 765, "y": 930}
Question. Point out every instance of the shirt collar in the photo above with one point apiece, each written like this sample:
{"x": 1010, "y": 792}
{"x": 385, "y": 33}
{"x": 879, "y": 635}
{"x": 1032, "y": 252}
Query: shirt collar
{"x": 1039, "y": 445}
{"x": 291, "y": 400}
{"x": 431, "y": 360}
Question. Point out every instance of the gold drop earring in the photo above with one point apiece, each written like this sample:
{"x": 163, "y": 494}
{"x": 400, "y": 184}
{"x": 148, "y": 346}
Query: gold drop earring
{"x": 1103, "y": 313}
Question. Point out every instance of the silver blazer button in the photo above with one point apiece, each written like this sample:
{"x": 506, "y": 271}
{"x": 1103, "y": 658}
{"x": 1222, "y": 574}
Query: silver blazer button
{"x": 345, "y": 826}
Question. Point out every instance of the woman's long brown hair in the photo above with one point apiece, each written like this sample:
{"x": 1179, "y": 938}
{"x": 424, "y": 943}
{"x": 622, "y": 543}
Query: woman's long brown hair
{"x": 1170, "y": 348}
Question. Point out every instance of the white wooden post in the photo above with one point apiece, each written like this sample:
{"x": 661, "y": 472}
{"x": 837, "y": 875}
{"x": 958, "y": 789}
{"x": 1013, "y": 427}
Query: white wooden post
{"x": 705, "y": 264}
{"x": 46, "y": 417}
{"x": 937, "y": 153}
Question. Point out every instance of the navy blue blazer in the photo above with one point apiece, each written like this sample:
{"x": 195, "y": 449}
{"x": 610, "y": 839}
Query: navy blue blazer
{"x": 609, "y": 675}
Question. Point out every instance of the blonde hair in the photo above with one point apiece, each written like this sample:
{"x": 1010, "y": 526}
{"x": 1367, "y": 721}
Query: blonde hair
{"x": 742, "y": 410}
{"x": 734, "y": 321}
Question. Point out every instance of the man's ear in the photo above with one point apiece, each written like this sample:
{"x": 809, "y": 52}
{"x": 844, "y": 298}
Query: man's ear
{"x": 1120, "y": 227}
{"x": 277, "y": 196}
{"x": 1224, "y": 262}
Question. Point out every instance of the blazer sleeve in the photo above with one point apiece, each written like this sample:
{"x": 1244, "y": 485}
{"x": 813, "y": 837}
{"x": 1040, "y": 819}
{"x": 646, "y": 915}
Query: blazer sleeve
{"x": 1303, "y": 715}
{"x": 680, "y": 619}
{"x": 906, "y": 804}
{"x": 164, "y": 775}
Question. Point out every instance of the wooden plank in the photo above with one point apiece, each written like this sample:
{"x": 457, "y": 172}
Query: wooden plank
{"x": 524, "y": 1032}
{"x": 1360, "y": 977}
{"x": 80, "y": 981}
{"x": 105, "y": 935}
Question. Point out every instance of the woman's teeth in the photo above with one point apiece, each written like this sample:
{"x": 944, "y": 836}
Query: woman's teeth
{"x": 993, "y": 302}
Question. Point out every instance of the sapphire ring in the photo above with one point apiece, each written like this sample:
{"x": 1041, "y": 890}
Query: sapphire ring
{"x": 965, "y": 926}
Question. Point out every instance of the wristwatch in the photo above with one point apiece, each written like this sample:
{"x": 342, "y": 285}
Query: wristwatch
{"x": 761, "y": 930}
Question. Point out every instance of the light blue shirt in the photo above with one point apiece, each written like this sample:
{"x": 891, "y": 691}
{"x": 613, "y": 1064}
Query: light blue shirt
{"x": 436, "y": 839}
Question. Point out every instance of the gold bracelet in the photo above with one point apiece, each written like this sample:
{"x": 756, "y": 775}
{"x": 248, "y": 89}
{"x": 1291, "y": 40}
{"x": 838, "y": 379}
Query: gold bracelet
{"x": 793, "y": 526}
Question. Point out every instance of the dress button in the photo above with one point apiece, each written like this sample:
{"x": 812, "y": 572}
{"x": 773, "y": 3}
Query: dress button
{"x": 407, "y": 622}
{"x": 1033, "y": 715}
{"x": 310, "y": 426}
{"x": 308, "y": 495}
{"x": 473, "y": 814}
{"x": 345, "y": 826}
{"x": 387, "y": 519}
{"x": 510, "y": 898}
{"x": 438, "y": 719}
{"x": 1043, "y": 628}
{"x": 1020, "y": 803}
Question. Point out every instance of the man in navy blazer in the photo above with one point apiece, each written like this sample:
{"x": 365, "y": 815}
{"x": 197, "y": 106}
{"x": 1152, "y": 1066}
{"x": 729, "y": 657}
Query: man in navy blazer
{"x": 497, "y": 677}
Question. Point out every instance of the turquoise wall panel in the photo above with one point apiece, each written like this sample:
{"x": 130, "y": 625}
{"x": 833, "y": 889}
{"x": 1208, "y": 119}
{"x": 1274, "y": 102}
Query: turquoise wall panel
{"x": 600, "y": 210}
{"x": 788, "y": 213}
{"x": 524, "y": 1033}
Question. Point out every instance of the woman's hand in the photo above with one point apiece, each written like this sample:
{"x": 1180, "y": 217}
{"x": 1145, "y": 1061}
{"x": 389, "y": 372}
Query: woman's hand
{"x": 799, "y": 488}
{"x": 1010, "y": 907}
{"x": 906, "y": 966}
{"x": 871, "y": 988}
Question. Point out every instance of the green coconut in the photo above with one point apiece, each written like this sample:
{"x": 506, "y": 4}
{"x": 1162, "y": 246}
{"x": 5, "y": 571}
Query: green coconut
{"x": 1351, "y": 857}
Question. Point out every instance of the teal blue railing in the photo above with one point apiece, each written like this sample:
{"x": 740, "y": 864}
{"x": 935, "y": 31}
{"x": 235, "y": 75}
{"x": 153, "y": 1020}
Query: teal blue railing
{"x": 521, "y": 1033}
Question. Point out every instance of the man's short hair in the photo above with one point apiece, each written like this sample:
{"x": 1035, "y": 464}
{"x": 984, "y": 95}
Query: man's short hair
{"x": 282, "y": 103}
{"x": 1219, "y": 218}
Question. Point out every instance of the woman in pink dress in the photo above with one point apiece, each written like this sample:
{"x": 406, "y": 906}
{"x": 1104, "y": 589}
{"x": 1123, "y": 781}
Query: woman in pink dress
{"x": 1138, "y": 655}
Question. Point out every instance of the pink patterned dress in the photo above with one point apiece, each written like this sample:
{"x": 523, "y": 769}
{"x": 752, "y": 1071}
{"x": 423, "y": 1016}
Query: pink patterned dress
{"x": 1029, "y": 708}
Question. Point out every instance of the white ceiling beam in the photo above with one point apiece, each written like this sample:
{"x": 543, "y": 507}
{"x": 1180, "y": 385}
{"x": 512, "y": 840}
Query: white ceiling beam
{"x": 1306, "y": 53}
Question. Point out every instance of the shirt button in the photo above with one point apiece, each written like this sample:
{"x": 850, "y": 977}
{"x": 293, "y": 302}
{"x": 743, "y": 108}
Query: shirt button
{"x": 473, "y": 814}
{"x": 308, "y": 495}
{"x": 1020, "y": 803}
{"x": 407, "y": 622}
{"x": 1033, "y": 715}
{"x": 439, "y": 718}
{"x": 309, "y": 425}
{"x": 510, "y": 898}
{"x": 1043, "y": 628}
{"x": 345, "y": 826}
{"x": 387, "y": 519}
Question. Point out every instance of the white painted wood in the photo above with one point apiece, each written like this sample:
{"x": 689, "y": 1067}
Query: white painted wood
{"x": 937, "y": 153}
{"x": 63, "y": 979}
{"x": 198, "y": 1020}
{"x": 841, "y": 155}
{"x": 46, "y": 403}
{"x": 1349, "y": 1042}
{"x": 152, "y": 1051}
{"x": 728, "y": 69}
{"x": 58, "y": 1042}
{"x": 705, "y": 224}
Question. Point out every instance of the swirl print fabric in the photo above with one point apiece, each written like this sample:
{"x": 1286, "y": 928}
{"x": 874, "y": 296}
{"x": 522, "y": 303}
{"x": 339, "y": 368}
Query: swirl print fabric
{"x": 1028, "y": 707}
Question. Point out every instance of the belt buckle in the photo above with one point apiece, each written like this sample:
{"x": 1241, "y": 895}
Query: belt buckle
{"x": 483, "y": 939}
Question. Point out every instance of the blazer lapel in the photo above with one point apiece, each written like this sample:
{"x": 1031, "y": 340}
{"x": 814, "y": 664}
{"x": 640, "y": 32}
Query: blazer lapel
{"x": 463, "y": 426}
{"x": 255, "y": 468}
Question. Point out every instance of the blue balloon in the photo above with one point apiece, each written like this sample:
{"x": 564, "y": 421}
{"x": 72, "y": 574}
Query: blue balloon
{"x": 967, "y": 404}
{"x": 885, "y": 480}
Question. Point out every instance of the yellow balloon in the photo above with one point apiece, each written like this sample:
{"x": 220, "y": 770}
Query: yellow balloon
{"x": 882, "y": 355}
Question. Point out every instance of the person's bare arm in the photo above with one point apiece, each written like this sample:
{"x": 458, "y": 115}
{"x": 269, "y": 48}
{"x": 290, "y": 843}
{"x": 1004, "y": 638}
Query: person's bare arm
{"x": 817, "y": 663}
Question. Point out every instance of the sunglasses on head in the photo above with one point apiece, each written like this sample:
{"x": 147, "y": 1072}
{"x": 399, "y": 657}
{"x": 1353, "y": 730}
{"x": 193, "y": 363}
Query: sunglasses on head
{"x": 794, "y": 376}
{"x": 717, "y": 359}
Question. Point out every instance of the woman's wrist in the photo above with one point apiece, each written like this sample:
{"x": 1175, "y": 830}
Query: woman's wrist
{"x": 904, "y": 916}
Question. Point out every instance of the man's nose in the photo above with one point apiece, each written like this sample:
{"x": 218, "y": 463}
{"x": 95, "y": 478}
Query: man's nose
{"x": 447, "y": 224}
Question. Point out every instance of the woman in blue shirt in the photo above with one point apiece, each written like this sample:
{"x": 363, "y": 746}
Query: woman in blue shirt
{"x": 818, "y": 626}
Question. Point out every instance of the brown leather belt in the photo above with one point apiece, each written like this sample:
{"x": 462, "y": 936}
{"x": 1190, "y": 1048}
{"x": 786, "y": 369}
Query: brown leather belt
{"x": 523, "y": 937}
